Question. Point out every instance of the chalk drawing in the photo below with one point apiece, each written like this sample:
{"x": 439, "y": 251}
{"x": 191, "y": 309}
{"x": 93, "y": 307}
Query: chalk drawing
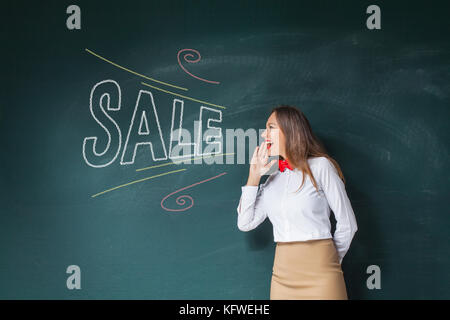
{"x": 190, "y": 55}
{"x": 182, "y": 96}
{"x": 143, "y": 93}
{"x": 200, "y": 136}
{"x": 183, "y": 161}
{"x": 115, "y": 87}
{"x": 178, "y": 130}
{"x": 180, "y": 199}
{"x": 133, "y": 72}
{"x": 135, "y": 181}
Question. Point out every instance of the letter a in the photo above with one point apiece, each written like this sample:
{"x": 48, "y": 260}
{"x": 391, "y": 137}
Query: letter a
{"x": 74, "y": 20}
{"x": 74, "y": 281}
{"x": 374, "y": 282}
{"x": 144, "y": 115}
{"x": 373, "y": 21}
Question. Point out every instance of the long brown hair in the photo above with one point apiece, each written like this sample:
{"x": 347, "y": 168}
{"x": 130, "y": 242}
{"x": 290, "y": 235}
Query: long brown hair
{"x": 301, "y": 142}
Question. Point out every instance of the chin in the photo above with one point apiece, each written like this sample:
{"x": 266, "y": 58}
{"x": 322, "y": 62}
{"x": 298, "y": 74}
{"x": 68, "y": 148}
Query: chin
{"x": 272, "y": 152}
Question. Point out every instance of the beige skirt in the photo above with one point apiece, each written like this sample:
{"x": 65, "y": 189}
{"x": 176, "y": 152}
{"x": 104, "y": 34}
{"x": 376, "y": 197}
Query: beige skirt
{"x": 307, "y": 270}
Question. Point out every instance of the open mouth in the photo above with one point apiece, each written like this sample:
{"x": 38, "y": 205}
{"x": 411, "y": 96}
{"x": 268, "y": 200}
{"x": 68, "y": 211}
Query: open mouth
{"x": 269, "y": 144}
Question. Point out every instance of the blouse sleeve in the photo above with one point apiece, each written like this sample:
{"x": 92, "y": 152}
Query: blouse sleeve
{"x": 251, "y": 212}
{"x": 339, "y": 202}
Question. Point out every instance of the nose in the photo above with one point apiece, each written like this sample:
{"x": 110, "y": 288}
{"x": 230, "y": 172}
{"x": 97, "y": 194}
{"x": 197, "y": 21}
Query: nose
{"x": 264, "y": 134}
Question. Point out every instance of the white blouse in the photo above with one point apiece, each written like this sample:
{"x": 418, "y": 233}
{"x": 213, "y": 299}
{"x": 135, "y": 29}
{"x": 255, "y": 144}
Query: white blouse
{"x": 302, "y": 215}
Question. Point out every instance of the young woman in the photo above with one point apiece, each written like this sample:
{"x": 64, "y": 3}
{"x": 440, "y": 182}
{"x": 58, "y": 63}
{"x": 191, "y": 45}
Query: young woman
{"x": 297, "y": 199}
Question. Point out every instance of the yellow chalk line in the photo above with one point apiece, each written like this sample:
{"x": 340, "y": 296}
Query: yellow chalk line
{"x": 180, "y": 95}
{"x": 136, "y": 181}
{"x": 176, "y": 162}
{"x": 133, "y": 72}
{"x": 169, "y": 92}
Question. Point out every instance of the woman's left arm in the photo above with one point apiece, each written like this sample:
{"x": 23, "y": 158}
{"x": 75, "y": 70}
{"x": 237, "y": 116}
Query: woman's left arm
{"x": 337, "y": 198}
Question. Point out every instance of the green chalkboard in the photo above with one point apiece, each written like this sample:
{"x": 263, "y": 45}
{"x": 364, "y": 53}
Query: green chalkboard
{"x": 80, "y": 187}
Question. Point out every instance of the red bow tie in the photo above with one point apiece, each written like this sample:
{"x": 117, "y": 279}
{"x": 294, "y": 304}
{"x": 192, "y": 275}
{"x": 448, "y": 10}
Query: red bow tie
{"x": 283, "y": 164}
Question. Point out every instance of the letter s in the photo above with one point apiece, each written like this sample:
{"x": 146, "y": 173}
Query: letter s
{"x": 91, "y": 156}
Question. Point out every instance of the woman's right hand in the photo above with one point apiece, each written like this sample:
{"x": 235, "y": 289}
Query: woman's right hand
{"x": 258, "y": 164}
